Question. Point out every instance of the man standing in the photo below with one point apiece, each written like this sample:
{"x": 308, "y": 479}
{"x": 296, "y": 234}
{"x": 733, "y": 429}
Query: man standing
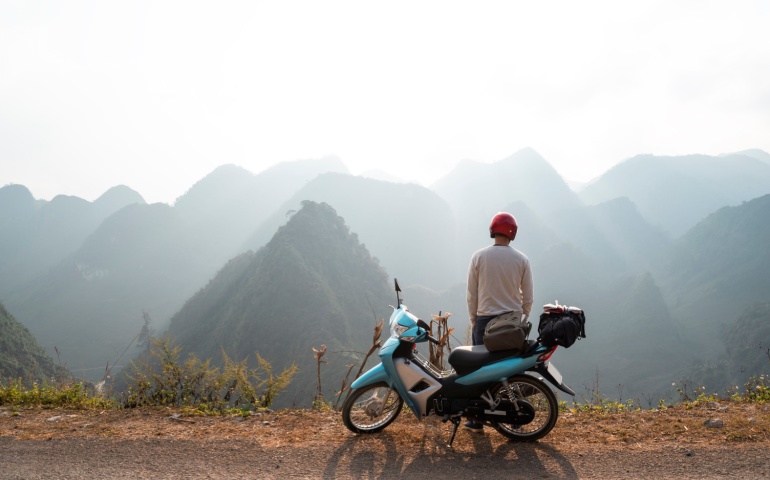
{"x": 499, "y": 281}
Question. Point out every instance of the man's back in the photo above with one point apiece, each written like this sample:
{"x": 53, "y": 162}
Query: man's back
{"x": 499, "y": 281}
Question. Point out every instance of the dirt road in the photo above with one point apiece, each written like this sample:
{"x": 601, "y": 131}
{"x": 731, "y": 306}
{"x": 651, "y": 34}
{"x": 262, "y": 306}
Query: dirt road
{"x": 160, "y": 445}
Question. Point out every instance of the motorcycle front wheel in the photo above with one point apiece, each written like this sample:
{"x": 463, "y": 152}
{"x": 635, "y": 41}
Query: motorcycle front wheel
{"x": 540, "y": 403}
{"x": 371, "y": 408}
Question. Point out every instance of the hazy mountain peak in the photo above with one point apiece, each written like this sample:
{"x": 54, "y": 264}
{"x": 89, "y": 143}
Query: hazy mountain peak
{"x": 67, "y": 201}
{"x": 320, "y": 222}
{"x": 15, "y": 192}
{"x": 756, "y": 153}
{"x": 382, "y": 176}
{"x": 528, "y": 162}
{"x": 224, "y": 173}
{"x": 526, "y": 154}
{"x": 380, "y": 212}
{"x": 117, "y": 197}
{"x": 224, "y": 180}
{"x": 231, "y": 182}
{"x": 474, "y": 189}
{"x": 675, "y": 193}
{"x": 119, "y": 191}
{"x": 16, "y": 201}
{"x": 310, "y": 167}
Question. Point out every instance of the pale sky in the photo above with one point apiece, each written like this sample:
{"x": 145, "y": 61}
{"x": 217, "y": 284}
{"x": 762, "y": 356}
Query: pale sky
{"x": 156, "y": 94}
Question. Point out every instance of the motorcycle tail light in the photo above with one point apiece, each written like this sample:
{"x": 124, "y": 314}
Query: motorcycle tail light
{"x": 547, "y": 354}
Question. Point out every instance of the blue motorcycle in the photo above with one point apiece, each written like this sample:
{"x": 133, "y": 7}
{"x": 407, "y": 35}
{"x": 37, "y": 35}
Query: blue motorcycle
{"x": 503, "y": 389}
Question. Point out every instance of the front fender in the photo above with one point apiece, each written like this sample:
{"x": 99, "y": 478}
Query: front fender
{"x": 374, "y": 375}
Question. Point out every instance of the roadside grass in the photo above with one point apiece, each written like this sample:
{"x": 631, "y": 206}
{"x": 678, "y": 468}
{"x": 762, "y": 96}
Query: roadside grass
{"x": 193, "y": 388}
{"x": 73, "y": 396}
{"x": 233, "y": 382}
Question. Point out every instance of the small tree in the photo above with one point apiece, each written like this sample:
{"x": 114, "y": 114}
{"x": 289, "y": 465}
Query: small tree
{"x": 318, "y": 354}
{"x": 438, "y": 352}
{"x": 145, "y": 335}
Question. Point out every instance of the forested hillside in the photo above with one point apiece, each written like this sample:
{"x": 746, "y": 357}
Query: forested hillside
{"x": 717, "y": 270}
{"x": 314, "y": 283}
{"x": 747, "y": 343}
{"x": 21, "y": 358}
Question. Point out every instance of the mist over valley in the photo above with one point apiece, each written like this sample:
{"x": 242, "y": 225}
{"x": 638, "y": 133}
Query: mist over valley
{"x": 667, "y": 256}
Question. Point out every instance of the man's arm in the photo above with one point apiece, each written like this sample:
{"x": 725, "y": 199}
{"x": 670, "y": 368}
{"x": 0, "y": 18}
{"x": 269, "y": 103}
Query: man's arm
{"x": 527, "y": 290}
{"x": 472, "y": 295}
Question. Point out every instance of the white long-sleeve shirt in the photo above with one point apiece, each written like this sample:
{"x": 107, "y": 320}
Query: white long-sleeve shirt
{"x": 499, "y": 281}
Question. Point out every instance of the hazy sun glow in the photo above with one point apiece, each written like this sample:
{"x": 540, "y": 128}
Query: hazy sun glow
{"x": 155, "y": 95}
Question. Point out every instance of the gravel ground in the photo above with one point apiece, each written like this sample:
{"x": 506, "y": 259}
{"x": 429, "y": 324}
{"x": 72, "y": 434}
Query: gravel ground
{"x": 161, "y": 444}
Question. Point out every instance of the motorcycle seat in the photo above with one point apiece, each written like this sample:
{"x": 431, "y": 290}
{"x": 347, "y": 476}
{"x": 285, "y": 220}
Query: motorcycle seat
{"x": 466, "y": 358}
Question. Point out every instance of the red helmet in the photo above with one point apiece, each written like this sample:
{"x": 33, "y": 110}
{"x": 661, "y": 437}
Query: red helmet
{"x": 504, "y": 224}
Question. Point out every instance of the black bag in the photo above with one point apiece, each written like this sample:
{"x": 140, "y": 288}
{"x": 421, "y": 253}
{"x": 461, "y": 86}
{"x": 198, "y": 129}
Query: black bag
{"x": 560, "y": 325}
{"x": 506, "y": 332}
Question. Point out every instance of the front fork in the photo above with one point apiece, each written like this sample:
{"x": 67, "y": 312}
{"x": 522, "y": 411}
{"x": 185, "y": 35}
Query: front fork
{"x": 385, "y": 401}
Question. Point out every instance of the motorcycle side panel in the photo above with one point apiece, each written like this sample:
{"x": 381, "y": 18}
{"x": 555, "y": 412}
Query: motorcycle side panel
{"x": 498, "y": 371}
{"x": 380, "y": 373}
{"x": 419, "y": 385}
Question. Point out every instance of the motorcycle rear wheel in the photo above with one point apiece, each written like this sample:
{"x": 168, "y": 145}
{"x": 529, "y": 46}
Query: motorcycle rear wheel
{"x": 542, "y": 400}
{"x": 364, "y": 411}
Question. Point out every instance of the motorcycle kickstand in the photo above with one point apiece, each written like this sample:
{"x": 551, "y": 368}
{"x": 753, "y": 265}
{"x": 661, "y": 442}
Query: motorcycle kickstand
{"x": 456, "y": 422}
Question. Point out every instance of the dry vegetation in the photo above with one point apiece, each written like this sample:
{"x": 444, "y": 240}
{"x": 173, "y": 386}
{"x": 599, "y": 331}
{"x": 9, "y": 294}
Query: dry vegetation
{"x": 681, "y": 424}
{"x": 155, "y": 442}
{"x": 95, "y": 436}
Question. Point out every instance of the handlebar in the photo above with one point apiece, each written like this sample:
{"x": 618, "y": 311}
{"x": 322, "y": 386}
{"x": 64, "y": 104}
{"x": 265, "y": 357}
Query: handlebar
{"x": 426, "y": 327}
{"x": 429, "y": 337}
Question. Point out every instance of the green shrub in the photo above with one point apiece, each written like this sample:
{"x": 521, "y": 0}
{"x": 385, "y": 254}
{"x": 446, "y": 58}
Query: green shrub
{"x": 68, "y": 396}
{"x": 163, "y": 379}
{"x": 757, "y": 390}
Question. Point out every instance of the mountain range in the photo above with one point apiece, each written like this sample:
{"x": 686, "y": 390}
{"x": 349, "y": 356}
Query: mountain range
{"x": 675, "y": 193}
{"x": 659, "y": 261}
{"x": 38, "y": 234}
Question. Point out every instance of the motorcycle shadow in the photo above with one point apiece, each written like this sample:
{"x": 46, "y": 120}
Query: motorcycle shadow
{"x": 387, "y": 455}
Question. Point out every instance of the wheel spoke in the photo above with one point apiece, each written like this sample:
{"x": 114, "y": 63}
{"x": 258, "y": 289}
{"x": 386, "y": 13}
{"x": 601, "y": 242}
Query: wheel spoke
{"x": 371, "y": 408}
{"x": 537, "y": 396}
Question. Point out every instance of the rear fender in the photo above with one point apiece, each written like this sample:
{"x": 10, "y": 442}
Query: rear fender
{"x": 542, "y": 370}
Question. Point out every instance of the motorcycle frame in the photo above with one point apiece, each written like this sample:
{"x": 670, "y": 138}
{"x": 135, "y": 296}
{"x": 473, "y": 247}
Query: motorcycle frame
{"x": 397, "y": 367}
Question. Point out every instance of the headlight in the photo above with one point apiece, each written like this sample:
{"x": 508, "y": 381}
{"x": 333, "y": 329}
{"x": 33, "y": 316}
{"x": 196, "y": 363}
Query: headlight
{"x": 396, "y": 330}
